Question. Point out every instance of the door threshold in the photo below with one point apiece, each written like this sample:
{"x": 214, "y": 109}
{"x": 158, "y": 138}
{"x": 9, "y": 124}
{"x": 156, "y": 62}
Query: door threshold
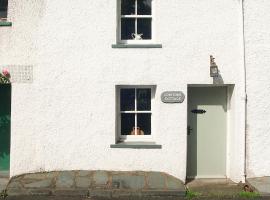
{"x": 4, "y": 174}
{"x": 210, "y": 181}
{"x": 207, "y": 177}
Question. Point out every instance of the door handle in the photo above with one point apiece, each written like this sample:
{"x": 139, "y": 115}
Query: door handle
{"x": 189, "y": 130}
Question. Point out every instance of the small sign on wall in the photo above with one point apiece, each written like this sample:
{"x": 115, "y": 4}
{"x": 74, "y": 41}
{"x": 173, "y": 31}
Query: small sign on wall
{"x": 172, "y": 97}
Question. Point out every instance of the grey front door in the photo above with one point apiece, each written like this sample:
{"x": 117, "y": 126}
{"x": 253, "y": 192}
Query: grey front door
{"x": 207, "y": 122}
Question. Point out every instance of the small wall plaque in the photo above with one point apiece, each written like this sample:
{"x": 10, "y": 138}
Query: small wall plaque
{"x": 172, "y": 97}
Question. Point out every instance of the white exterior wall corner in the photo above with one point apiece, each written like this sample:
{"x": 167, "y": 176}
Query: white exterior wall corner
{"x": 65, "y": 120}
{"x": 257, "y": 37}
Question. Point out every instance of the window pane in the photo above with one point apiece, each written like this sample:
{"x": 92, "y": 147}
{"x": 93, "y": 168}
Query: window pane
{"x": 144, "y": 123}
{"x": 127, "y": 28}
{"x": 144, "y": 99}
{"x": 144, "y": 7}
{"x": 144, "y": 27}
{"x": 127, "y": 7}
{"x": 127, "y": 99}
{"x": 127, "y": 124}
{"x": 3, "y": 8}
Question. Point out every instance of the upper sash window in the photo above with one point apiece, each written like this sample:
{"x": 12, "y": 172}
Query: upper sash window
{"x": 135, "y": 20}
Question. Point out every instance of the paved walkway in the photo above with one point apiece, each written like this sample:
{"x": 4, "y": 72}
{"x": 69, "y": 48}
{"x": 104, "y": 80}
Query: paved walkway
{"x": 131, "y": 198}
{"x": 105, "y": 184}
{"x": 111, "y": 185}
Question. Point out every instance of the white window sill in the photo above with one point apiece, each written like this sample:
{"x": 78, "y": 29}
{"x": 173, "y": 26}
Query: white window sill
{"x": 118, "y": 46}
{"x": 137, "y": 145}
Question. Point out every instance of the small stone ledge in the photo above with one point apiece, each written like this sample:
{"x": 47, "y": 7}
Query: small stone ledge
{"x": 108, "y": 184}
{"x": 121, "y": 46}
{"x": 136, "y": 145}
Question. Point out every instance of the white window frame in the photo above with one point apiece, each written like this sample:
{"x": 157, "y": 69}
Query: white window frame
{"x": 133, "y": 138}
{"x": 119, "y": 17}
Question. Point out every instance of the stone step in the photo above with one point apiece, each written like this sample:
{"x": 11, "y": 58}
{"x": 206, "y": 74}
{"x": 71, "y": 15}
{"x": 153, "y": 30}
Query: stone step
{"x": 208, "y": 187}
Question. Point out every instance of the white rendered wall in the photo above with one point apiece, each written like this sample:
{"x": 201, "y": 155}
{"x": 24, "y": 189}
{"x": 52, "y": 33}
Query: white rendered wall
{"x": 257, "y": 37}
{"x": 65, "y": 119}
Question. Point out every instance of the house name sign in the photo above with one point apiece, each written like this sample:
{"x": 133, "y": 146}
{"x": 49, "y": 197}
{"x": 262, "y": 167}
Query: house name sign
{"x": 172, "y": 97}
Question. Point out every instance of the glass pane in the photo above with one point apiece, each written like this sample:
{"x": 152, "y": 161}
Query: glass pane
{"x": 3, "y": 8}
{"x": 127, "y": 7}
{"x": 144, "y": 27}
{"x": 127, "y": 99}
{"x": 144, "y": 99}
{"x": 144, "y": 7}
{"x": 127, "y": 28}
{"x": 144, "y": 123}
{"x": 127, "y": 124}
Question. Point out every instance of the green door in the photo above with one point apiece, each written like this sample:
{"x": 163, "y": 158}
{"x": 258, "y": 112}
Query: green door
{"x": 5, "y": 109}
{"x": 207, "y": 122}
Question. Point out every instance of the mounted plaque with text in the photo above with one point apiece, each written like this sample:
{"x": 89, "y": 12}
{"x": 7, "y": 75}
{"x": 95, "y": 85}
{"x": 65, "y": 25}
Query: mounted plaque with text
{"x": 172, "y": 97}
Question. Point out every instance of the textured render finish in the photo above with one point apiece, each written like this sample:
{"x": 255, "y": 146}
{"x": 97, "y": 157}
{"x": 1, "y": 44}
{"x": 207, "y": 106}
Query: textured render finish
{"x": 257, "y": 39}
{"x": 57, "y": 122}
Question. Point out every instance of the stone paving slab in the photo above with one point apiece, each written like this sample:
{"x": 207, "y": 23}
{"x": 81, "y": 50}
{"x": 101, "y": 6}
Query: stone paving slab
{"x": 261, "y": 184}
{"x": 105, "y": 184}
{"x": 209, "y": 187}
{"x": 123, "y": 198}
{"x": 139, "y": 185}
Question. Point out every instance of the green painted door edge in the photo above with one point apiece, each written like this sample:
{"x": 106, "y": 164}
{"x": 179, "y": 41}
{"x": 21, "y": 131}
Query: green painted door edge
{"x": 5, "y": 111}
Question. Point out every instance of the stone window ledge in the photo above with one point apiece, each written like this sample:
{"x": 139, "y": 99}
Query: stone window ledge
{"x": 137, "y": 145}
{"x": 120, "y": 46}
{"x": 5, "y": 23}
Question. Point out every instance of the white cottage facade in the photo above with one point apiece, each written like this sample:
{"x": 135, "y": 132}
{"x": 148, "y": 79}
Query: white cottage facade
{"x": 88, "y": 78}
